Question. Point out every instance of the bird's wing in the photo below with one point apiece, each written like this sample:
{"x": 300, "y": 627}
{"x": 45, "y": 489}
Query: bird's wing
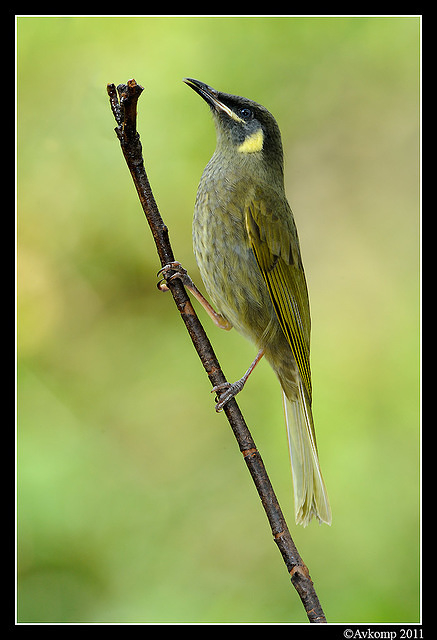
{"x": 273, "y": 238}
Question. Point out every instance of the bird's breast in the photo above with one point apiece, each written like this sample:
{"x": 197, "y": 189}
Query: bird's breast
{"x": 226, "y": 261}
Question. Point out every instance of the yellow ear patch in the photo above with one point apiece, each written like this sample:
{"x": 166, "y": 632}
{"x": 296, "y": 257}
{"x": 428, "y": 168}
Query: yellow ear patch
{"x": 253, "y": 143}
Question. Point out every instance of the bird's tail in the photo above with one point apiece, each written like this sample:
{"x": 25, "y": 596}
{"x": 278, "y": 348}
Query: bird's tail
{"x": 310, "y": 496}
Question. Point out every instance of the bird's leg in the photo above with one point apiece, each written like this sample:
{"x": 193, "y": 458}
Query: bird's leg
{"x": 183, "y": 276}
{"x": 228, "y": 390}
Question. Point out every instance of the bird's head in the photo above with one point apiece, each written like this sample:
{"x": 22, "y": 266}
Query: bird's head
{"x": 246, "y": 131}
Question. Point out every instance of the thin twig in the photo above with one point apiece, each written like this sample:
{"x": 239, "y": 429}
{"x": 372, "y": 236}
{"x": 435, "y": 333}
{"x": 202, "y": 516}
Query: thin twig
{"x": 124, "y": 106}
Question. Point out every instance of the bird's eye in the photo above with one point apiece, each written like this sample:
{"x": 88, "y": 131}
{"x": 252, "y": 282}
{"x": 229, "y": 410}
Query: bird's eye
{"x": 245, "y": 113}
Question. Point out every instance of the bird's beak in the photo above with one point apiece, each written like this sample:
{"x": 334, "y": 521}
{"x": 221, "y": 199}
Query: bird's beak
{"x": 210, "y": 96}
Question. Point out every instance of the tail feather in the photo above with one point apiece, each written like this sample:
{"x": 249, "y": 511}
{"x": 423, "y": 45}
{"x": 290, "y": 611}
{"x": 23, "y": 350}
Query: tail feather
{"x": 310, "y": 496}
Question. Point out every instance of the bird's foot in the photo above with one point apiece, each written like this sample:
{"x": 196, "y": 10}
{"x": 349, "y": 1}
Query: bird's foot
{"x": 171, "y": 271}
{"x": 226, "y": 391}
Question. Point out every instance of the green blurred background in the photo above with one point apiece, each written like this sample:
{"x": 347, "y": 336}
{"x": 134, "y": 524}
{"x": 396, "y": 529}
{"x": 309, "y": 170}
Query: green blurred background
{"x": 134, "y": 504}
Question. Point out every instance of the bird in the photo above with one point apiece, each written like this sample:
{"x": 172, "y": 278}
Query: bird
{"x": 247, "y": 250}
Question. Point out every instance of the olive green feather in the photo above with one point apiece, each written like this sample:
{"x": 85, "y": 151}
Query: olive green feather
{"x": 247, "y": 250}
{"x": 274, "y": 242}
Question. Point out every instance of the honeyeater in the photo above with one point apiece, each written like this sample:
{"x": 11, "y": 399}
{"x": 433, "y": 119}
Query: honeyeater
{"x": 247, "y": 250}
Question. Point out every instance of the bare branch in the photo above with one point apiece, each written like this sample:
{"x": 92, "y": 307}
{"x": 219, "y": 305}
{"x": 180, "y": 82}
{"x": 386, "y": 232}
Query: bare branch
{"x": 124, "y": 108}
